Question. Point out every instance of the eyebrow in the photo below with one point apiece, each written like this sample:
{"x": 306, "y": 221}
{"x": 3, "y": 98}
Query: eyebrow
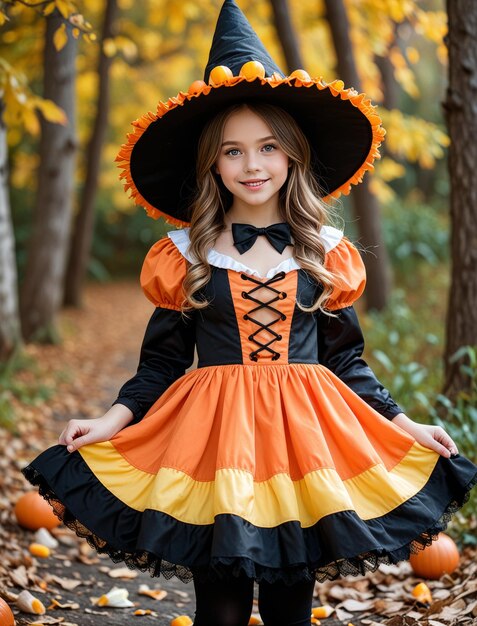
{"x": 225, "y": 143}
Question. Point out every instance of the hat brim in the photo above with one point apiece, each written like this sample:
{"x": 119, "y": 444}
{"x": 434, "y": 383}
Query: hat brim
{"x": 158, "y": 161}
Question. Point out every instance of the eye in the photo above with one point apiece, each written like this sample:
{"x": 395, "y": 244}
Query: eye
{"x": 269, "y": 147}
{"x": 233, "y": 152}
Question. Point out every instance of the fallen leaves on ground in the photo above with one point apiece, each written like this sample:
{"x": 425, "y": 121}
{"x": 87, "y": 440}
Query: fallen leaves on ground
{"x": 385, "y": 596}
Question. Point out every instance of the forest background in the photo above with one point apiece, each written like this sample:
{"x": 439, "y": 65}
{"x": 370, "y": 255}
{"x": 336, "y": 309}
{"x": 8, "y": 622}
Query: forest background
{"x": 74, "y": 74}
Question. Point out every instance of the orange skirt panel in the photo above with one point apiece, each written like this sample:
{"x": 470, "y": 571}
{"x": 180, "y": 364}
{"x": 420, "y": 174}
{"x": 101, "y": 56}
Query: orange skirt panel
{"x": 265, "y": 420}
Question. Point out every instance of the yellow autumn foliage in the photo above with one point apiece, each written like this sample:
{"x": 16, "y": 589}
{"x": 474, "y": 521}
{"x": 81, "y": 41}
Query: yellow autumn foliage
{"x": 24, "y": 167}
{"x": 413, "y": 138}
{"x": 60, "y": 38}
{"x": 389, "y": 169}
{"x": 21, "y": 105}
{"x": 50, "y": 110}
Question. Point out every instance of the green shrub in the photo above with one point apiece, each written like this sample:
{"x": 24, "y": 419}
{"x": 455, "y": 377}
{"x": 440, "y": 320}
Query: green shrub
{"x": 404, "y": 350}
{"x": 413, "y": 232}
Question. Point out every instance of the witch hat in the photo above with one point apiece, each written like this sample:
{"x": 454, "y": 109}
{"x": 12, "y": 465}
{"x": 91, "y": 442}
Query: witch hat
{"x": 342, "y": 126}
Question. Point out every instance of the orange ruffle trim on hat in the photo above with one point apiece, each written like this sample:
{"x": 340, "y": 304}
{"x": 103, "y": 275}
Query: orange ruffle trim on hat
{"x": 200, "y": 88}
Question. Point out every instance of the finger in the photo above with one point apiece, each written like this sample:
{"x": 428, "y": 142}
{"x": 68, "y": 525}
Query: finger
{"x": 78, "y": 442}
{"x": 433, "y": 444}
{"x": 67, "y": 435}
{"x": 443, "y": 438}
{"x": 72, "y": 432}
{"x": 442, "y": 450}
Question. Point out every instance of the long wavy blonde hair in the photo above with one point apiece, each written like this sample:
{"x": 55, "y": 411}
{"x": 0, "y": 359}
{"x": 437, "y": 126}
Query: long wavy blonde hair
{"x": 299, "y": 203}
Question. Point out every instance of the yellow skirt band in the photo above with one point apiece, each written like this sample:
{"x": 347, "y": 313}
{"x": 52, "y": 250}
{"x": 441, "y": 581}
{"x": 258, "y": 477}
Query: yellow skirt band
{"x": 268, "y": 503}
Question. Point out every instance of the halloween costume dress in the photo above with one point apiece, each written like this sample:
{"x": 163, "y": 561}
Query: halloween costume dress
{"x": 276, "y": 457}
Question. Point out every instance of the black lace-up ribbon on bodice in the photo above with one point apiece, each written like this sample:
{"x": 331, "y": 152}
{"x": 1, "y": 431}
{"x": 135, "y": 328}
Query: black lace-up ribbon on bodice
{"x": 277, "y": 295}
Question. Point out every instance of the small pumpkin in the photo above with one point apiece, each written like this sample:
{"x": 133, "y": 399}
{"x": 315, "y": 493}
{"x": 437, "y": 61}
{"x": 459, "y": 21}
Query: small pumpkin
{"x": 441, "y": 557}
{"x": 252, "y": 70}
{"x": 6, "y": 615}
{"x": 182, "y": 620}
{"x": 301, "y": 75}
{"x": 33, "y": 512}
{"x": 196, "y": 87}
{"x": 220, "y": 74}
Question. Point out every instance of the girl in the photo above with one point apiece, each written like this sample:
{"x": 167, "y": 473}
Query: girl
{"x": 281, "y": 458}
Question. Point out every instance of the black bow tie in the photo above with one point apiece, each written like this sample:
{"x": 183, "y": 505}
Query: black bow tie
{"x": 245, "y": 236}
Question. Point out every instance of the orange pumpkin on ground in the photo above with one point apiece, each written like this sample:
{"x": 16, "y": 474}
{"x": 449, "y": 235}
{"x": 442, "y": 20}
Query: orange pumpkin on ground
{"x": 6, "y": 615}
{"x": 182, "y": 620}
{"x": 441, "y": 557}
{"x": 33, "y": 512}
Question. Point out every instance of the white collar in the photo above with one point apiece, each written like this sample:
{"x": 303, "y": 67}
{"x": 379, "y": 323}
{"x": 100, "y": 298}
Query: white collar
{"x": 329, "y": 235}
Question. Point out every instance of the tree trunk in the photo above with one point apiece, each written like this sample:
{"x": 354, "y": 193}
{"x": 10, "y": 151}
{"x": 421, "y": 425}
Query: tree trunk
{"x": 287, "y": 34}
{"x": 42, "y": 291}
{"x": 10, "y": 337}
{"x": 389, "y": 85}
{"x": 461, "y": 117}
{"x": 80, "y": 248}
{"x": 365, "y": 204}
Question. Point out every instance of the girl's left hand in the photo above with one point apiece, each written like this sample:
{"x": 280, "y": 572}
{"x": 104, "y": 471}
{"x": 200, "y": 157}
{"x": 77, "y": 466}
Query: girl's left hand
{"x": 428, "y": 435}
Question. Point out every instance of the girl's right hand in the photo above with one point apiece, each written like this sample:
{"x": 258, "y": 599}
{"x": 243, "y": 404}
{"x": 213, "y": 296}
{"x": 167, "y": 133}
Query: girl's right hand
{"x": 78, "y": 433}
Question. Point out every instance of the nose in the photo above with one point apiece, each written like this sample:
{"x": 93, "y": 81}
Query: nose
{"x": 251, "y": 162}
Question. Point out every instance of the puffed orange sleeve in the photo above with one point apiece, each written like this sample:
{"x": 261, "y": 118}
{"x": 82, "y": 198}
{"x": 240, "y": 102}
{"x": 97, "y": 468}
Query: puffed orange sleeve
{"x": 347, "y": 266}
{"x": 162, "y": 274}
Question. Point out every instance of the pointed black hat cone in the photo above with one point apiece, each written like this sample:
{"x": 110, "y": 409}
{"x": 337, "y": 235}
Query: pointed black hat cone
{"x": 235, "y": 43}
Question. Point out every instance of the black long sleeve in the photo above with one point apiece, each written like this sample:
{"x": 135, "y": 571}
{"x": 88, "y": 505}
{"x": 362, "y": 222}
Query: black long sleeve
{"x": 340, "y": 349}
{"x": 166, "y": 352}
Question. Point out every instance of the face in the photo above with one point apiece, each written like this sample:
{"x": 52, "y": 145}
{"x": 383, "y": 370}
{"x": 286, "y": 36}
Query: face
{"x": 251, "y": 163}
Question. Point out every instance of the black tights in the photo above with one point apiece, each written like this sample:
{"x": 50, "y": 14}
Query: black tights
{"x": 229, "y": 603}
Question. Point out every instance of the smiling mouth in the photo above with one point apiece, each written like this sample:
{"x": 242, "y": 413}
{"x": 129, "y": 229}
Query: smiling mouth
{"x": 254, "y": 183}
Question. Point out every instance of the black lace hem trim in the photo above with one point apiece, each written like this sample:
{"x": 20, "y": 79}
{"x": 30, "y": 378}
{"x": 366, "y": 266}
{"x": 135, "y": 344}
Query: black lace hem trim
{"x": 223, "y": 568}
